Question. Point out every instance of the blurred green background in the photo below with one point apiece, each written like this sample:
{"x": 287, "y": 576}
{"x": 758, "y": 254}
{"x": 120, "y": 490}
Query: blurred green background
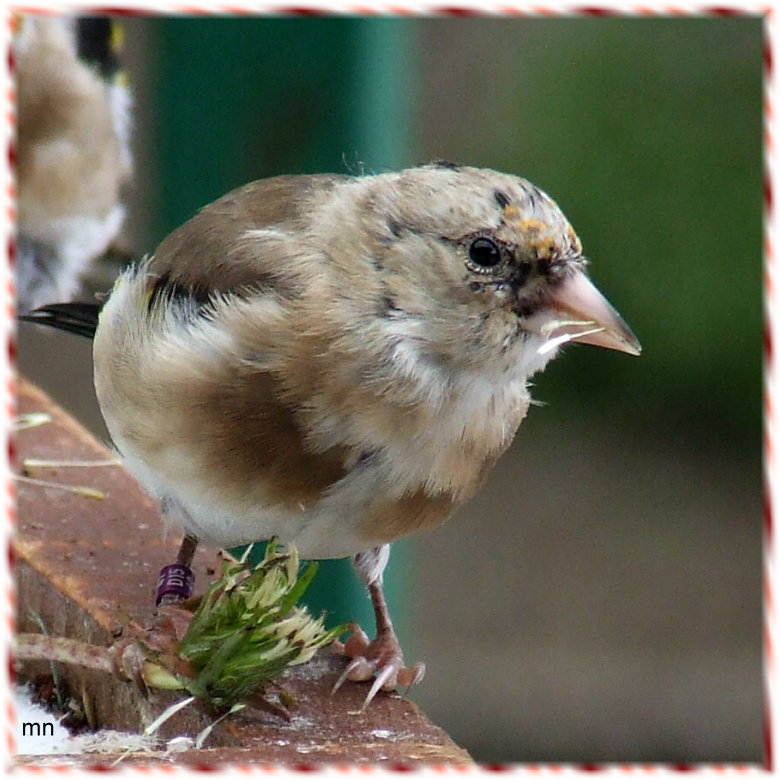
{"x": 601, "y": 599}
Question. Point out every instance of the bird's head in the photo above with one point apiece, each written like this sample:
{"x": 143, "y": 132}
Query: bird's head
{"x": 489, "y": 263}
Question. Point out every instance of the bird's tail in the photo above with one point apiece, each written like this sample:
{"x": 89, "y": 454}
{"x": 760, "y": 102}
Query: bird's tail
{"x": 80, "y": 318}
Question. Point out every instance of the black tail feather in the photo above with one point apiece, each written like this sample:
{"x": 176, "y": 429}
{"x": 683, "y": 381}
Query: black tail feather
{"x": 80, "y": 318}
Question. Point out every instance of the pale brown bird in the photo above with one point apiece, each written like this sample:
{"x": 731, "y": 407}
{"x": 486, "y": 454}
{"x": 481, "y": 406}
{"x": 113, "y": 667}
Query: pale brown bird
{"x": 72, "y": 151}
{"x": 339, "y": 361}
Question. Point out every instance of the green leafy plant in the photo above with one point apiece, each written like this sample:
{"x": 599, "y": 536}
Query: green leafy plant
{"x": 248, "y": 628}
{"x": 245, "y": 631}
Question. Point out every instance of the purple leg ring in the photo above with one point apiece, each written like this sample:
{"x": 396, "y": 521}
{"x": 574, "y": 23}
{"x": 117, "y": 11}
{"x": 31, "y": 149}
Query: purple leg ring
{"x": 176, "y": 580}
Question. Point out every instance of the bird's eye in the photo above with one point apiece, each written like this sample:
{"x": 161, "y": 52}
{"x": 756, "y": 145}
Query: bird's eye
{"x": 484, "y": 252}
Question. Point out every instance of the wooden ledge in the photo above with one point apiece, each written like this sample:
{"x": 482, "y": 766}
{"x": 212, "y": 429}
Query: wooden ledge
{"x": 87, "y": 568}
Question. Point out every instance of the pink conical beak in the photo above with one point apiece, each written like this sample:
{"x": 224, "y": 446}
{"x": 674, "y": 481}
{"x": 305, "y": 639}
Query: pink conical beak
{"x": 579, "y": 312}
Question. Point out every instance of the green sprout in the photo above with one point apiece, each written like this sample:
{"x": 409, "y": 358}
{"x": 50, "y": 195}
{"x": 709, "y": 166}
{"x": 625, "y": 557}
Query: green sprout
{"x": 248, "y": 628}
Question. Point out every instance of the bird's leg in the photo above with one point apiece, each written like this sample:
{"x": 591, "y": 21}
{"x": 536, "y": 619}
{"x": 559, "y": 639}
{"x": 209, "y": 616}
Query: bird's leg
{"x": 177, "y": 582}
{"x": 175, "y": 585}
{"x": 381, "y": 658}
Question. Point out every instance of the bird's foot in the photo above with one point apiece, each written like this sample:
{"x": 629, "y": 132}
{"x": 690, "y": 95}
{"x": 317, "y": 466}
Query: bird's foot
{"x": 381, "y": 659}
{"x": 127, "y": 663}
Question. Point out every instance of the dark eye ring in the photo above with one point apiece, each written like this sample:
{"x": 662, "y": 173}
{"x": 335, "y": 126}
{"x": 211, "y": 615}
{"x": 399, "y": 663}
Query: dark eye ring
{"x": 484, "y": 252}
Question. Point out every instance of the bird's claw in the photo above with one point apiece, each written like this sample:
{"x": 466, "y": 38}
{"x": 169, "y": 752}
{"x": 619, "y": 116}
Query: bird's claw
{"x": 127, "y": 661}
{"x": 381, "y": 659}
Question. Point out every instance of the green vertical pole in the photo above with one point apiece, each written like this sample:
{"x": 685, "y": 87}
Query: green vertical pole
{"x": 383, "y": 97}
{"x": 241, "y": 98}
{"x": 384, "y": 100}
